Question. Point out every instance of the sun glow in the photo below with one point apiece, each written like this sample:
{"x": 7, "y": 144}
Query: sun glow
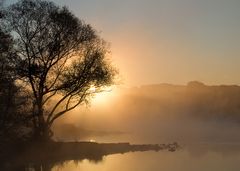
{"x": 92, "y": 89}
{"x": 102, "y": 96}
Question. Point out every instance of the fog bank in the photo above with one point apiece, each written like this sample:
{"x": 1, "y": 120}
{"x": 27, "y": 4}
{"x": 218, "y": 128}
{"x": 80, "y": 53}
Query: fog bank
{"x": 159, "y": 113}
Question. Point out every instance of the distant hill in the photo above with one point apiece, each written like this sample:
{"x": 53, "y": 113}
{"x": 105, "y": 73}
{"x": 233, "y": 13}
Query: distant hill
{"x": 195, "y": 99}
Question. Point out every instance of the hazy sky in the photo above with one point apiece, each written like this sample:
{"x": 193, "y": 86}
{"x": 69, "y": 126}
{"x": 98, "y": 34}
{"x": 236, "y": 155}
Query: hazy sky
{"x": 172, "y": 41}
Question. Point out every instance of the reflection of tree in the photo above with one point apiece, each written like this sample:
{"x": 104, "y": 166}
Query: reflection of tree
{"x": 48, "y": 163}
{"x": 42, "y": 167}
{"x": 55, "y": 154}
{"x": 30, "y": 167}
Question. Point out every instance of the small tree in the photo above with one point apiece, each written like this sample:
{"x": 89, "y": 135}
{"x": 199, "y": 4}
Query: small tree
{"x": 11, "y": 99}
{"x": 7, "y": 87}
{"x": 59, "y": 59}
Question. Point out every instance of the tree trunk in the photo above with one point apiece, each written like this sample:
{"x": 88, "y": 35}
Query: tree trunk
{"x": 42, "y": 134}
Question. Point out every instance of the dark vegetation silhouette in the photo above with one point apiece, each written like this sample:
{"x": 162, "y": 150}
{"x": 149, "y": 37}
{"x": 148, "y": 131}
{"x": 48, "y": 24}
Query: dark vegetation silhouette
{"x": 59, "y": 153}
{"x": 11, "y": 97}
{"x": 50, "y": 61}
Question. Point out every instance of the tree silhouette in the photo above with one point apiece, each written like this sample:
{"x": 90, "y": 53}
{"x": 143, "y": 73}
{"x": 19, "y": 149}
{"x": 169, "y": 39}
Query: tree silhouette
{"x": 8, "y": 89}
{"x": 58, "y": 59}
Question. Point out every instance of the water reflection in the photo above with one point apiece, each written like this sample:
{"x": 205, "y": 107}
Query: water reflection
{"x": 43, "y": 157}
{"x": 199, "y": 150}
{"x": 44, "y": 162}
{"x": 214, "y": 157}
{"x": 198, "y": 157}
{"x": 40, "y": 163}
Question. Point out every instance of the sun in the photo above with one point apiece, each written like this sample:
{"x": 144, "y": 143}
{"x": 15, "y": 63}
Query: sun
{"x": 103, "y": 96}
{"x": 92, "y": 89}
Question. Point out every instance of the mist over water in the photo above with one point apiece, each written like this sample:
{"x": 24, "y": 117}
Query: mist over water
{"x": 203, "y": 119}
{"x": 159, "y": 113}
{"x": 53, "y": 58}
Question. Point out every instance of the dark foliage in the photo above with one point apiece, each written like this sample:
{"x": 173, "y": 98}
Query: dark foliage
{"x": 56, "y": 154}
{"x": 55, "y": 58}
{"x": 13, "y": 97}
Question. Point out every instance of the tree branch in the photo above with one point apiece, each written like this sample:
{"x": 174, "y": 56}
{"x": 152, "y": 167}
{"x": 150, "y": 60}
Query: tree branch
{"x": 67, "y": 110}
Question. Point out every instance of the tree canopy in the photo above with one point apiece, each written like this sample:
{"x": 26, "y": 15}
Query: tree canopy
{"x": 57, "y": 59}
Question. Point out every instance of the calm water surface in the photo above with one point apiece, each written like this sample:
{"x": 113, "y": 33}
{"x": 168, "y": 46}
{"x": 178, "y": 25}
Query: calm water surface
{"x": 201, "y": 157}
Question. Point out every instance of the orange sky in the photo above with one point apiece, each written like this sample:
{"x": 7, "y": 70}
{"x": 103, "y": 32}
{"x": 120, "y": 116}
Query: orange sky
{"x": 167, "y": 40}
{"x": 170, "y": 41}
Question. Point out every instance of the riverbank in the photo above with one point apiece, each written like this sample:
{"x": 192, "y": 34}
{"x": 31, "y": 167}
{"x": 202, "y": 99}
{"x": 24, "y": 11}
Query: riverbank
{"x": 59, "y": 152}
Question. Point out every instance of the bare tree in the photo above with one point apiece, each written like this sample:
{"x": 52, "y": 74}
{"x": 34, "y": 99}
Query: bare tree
{"x": 59, "y": 59}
